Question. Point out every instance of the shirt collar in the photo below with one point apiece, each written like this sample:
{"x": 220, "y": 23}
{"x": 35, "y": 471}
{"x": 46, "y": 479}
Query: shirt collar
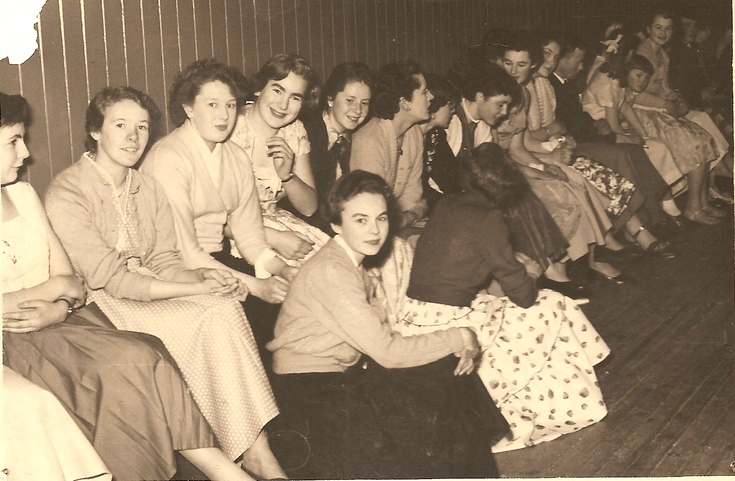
{"x": 467, "y": 113}
{"x": 341, "y": 242}
{"x": 562, "y": 80}
{"x": 105, "y": 177}
{"x": 332, "y": 134}
{"x": 201, "y": 144}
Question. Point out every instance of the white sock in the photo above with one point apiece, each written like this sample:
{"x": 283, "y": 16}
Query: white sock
{"x": 670, "y": 207}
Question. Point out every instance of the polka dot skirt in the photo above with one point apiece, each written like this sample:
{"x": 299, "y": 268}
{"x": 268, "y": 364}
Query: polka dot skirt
{"x": 211, "y": 340}
{"x": 536, "y": 363}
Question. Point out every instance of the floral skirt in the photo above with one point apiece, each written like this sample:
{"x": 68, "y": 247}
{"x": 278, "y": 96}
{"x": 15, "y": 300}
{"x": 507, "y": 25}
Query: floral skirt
{"x": 536, "y": 363}
{"x": 613, "y": 185}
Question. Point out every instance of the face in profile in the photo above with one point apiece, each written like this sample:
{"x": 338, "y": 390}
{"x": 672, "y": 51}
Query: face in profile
{"x": 492, "y": 109}
{"x": 418, "y": 106}
{"x": 13, "y": 152}
{"x": 637, "y": 80}
{"x": 280, "y": 101}
{"x": 443, "y": 116}
{"x": 364, "y": 224}
{"x": 349, "y": 107}
{"x": 123, "y": 136}
{"x": 518, "y": 65}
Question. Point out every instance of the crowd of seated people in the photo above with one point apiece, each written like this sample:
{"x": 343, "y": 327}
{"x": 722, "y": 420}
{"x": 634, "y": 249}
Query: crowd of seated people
{"x": 378, "y": 267}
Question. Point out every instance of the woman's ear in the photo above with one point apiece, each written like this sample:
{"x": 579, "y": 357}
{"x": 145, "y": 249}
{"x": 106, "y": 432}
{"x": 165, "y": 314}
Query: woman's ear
{"x": 336, "y": 228}
{"x": 188, "y": 110}
{"x": 479, "y": 97}
{"x": 330, "y": 102}
{"x": 95, "y": 135}
{"x": 404, "y": 104}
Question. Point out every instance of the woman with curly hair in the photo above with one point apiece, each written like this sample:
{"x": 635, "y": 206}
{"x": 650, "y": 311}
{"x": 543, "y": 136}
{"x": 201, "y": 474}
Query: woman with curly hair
{"x": 391, "y": 144}
{"x": 278, "y": 146}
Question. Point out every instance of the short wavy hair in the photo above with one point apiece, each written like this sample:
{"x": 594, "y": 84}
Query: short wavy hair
{"x": 636, "y": 62}
{"x": 490, "y": 80}
{"x": 109, "y": 96}
{"x": 355, "y": 183}
{"x": 526, "y": 41}
{"x": 393, "y": 82}
{"x": 342, "y": 75}
{"x": 14, "y": 109}
{"x": 279, "y": 66}
{"x": 496, "y": 176}
{"x": 443, "y": 90}
{"x": 188, "y": 83}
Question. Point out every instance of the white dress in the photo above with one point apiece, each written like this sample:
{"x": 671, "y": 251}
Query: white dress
{"x": 269, "y": 185}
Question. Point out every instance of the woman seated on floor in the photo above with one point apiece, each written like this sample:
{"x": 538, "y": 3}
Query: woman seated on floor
{"x": 117, "y": 227}
{"x": 122, "y": 388}
{"x": 276, "y": 142}
{"x": 371, "y": 403}
{"x": 344, "y": 105}
{"x": 538, "y": 348}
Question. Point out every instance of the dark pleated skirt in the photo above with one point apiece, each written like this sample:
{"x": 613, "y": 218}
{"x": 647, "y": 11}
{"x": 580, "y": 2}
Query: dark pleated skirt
{"x": 372, "y": 422}
{"x": 122, "y": 388}
{"x": 534, "y": 232}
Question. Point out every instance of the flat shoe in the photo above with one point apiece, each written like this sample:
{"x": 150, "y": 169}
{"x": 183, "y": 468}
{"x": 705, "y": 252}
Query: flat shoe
{"x": 577, "y": 292}
{"x": 701, "y": 217}
{"x": 660, "y": 248}
{"x": 618, "y": 280}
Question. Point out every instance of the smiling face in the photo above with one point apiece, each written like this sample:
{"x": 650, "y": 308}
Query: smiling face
{"x": 418, "y": 105}
{"x": 491, "y": 109}
{"x": 364, "y": 224}
{"x": 280, "y": 101}
{"x": 518, "y": 65}
{"x": 123, "y": 136}
{"x": 13, "y": 152}
{"x": 551, "y": 59}
{"x": 213, "y": 112}
{"x": 637, "y": 80}
{"x": 661, "y": 30}
{"x": 349, "y": 107}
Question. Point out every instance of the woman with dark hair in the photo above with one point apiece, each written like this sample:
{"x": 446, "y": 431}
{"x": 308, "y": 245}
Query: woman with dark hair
{"x": 391, "y": 144}
{"x": 371, "y": 403}
{"x": 693, "y": 140}
{"x": 344, "y": 105}
{"x": 209, "y": 182}
{"x": 122, "y": 388}
{"x": 441, "y": 168}
{"x": 465, "y": 273}
{"x": 117, "y": 227}
{"x": 277, "y": 144}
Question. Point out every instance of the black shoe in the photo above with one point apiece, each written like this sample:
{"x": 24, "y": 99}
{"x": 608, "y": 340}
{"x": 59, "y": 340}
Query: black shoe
{"x": 603, "y": 254}
{"x": 577, "y": 292}
{"x": 618, "y": 280}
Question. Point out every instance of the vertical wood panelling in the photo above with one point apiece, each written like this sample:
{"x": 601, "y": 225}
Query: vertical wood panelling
{"x": 88, "y": 44}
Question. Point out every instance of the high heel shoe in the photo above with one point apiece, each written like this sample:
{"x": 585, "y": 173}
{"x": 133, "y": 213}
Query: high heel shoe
{"x": 618, "y": 280}
{"x": 657, "y": 248}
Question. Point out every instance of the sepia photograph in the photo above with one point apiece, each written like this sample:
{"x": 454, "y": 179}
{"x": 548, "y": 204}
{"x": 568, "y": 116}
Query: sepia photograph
{"x": 366, "y": 239}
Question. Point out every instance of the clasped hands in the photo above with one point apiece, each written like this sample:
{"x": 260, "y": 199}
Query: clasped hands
{"x": 222, "y": 283}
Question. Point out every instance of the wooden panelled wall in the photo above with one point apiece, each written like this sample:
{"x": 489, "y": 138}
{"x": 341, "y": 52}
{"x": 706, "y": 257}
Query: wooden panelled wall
{"x": 88, "y": 44}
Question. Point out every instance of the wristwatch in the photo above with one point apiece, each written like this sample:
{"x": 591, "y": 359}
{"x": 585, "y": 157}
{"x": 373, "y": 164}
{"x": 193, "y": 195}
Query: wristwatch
{"x": 70, "y": 306}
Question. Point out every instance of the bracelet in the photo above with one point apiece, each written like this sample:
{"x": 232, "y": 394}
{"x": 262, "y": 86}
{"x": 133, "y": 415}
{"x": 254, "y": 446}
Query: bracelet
{"x": 288, "y": 179}
{"x": 70, "y": 306}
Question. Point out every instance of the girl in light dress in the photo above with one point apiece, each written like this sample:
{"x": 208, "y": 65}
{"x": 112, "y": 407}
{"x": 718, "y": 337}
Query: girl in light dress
{"x": 690, "y": 135}
{"x": 278, "y": 146}
{"x": 538, "y": 350}
{"x": 122, "y": 388}
{"x": 117, "y": 226}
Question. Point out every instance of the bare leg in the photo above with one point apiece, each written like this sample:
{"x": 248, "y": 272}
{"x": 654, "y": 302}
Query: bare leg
{"x": 260, "y": 460}
{"x": 612, "y": 243}
{"x": 215, "y": 464}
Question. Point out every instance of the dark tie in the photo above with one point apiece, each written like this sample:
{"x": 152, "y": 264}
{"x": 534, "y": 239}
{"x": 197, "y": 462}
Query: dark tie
{"x": 341, "y": 153}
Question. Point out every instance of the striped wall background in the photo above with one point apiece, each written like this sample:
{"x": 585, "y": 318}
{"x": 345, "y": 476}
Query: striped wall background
{"x": 88, "y": 44}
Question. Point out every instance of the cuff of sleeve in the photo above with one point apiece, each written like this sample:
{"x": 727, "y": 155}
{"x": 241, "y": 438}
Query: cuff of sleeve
{"x": 260, "y": 271}
{"x": 457, "y": 344}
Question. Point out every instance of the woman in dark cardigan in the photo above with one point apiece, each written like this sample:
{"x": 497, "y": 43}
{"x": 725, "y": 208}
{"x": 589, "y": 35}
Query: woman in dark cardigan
{"x": 345, "y": 103}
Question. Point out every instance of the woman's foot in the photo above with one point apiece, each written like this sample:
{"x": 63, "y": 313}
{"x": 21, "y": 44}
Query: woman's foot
{"x": 701, "y": 217}
{"x": 714, "y": 212}
{"x": 604, "y": 268}
{"x": 716, "y": 194}
{"x": 651, "y": 245}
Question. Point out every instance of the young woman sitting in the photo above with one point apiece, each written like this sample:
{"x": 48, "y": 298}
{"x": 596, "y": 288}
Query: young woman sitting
{"x": 538, "y": 348}
{"x": 371, "y": 403}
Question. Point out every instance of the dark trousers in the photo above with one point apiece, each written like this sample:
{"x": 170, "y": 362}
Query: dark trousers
{"x": 373, "y": 422}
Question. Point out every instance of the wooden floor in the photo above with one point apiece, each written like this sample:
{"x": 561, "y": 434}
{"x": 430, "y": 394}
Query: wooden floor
{"x": 670, "y": 381}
